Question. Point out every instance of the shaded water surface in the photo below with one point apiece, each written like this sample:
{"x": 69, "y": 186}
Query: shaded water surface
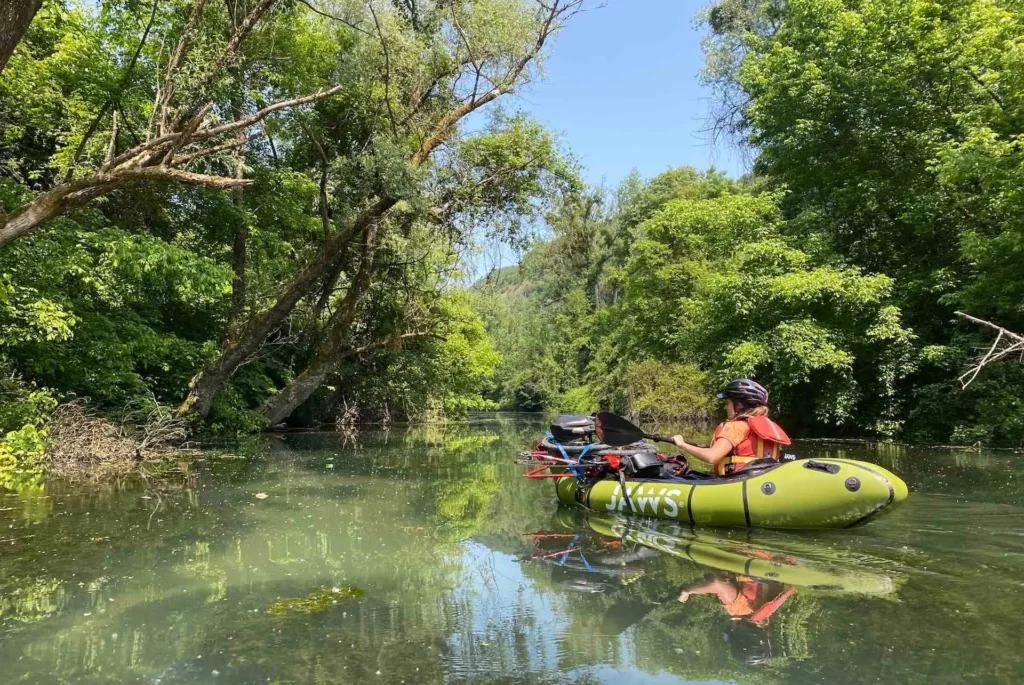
{"x": 422, "y": 556}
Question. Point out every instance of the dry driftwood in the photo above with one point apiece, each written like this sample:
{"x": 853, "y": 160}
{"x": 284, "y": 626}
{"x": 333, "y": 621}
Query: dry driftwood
{"x": 1007, "y": 343}
{"x": 82, "y": 445}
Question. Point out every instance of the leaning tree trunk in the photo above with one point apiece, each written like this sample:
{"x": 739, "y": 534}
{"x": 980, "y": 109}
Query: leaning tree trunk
{"x": 302, "y": 388}
{"x": 15, "y": 16}
{"x": 211, "y": 380}
{"x": 331, "y": 348}
{"x": 281, "y": 405}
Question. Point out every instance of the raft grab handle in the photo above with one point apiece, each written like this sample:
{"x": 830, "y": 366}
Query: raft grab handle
{"x": 821, "y": 466}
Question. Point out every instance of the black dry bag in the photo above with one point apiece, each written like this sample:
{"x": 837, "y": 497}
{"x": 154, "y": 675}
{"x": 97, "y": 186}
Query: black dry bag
{"x": 569, "y": 427}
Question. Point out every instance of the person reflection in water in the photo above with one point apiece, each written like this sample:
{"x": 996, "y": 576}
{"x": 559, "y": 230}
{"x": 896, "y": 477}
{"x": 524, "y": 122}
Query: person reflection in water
{"x": 743, "y": 598}
{"x": 750, "y": 603}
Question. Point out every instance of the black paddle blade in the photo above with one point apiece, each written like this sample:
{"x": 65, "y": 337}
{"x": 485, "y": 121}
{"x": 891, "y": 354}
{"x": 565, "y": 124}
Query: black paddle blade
{"x": 616, "y": 431}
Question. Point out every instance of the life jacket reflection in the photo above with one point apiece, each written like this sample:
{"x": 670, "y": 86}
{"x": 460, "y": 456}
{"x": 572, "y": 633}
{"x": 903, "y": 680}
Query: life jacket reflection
{"x": 764, "y": 440}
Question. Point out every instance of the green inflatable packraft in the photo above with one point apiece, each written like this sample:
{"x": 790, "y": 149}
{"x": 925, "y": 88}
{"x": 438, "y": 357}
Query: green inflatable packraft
{"x": 810, "y": 493}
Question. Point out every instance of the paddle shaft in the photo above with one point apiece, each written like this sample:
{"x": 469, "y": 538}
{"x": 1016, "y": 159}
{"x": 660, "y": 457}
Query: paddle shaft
{"x": 662, "y": 438}
{"x": 659, "y": 438}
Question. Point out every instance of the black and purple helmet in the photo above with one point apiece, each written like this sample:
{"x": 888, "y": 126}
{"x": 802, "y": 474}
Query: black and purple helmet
{"x": 746, "y": 391}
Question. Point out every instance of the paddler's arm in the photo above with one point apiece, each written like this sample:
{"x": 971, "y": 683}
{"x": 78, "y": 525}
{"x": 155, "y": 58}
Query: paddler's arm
{"x": 718, "y": 451}
{"x": 727, "y": 592}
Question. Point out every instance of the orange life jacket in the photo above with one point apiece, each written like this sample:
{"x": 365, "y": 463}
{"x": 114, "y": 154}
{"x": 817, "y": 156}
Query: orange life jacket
{"x": 765, "y": 440}
{"x": 743, "y": 605}
{"x": 746, "y": 599}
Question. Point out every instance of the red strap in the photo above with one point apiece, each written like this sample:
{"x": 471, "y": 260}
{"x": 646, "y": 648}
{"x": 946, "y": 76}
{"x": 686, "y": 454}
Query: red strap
{"x": 771, "y": 607}
{"x": 539, "y": 473}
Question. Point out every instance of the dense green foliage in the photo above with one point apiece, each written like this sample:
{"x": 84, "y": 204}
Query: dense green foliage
{"x": 301, "y": 265}
{"x": 888, "y": 164}
{"x": 709, "y": 288}
{"x": 895, "y": 128}
{"x": 296, "y": 267}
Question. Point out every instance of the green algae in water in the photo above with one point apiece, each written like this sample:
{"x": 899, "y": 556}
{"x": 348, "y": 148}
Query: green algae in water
{"x": 321, "y": 600}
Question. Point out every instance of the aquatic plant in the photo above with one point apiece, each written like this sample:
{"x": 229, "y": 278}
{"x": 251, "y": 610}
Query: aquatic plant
{"x": 314, "y": 602}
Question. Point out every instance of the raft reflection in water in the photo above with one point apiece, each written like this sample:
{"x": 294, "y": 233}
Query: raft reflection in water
{"x": 759, "y": 591}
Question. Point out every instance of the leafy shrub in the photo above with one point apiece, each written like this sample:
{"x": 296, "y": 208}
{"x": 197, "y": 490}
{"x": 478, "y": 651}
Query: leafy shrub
{"x": 24, "y": 414}
{"x": 660, "y": 391}
{"x": 577, "y": 401}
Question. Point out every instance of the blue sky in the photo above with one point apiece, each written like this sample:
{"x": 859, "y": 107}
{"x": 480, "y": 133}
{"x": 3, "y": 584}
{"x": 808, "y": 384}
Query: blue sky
{"x": 622, "y": 90}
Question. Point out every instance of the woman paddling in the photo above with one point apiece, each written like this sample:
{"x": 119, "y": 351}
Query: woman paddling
{"x": 747, "y": 433}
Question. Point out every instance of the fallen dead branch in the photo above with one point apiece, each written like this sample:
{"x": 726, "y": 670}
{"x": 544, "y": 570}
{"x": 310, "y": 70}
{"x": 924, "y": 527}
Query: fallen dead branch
{"x": 1007, "y": 343}
{"x": 84, "y": 446}
{"x": 347, "y": 420}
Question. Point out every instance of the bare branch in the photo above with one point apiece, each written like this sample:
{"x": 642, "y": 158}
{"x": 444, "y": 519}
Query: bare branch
{"x": 115, "y": 98}
{"x": 72, "y": 195}
{"x": 166, "y": 92}
{"x": 262, "y": 114}
{"x": 159, "y": 145}
{"x": 387, "y": 71}
{"x": 1006, "y": 344}
{"x": 346, "y": 22}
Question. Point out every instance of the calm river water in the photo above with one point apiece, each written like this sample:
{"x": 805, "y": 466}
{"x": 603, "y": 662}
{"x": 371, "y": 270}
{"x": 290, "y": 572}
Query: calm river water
{"x": 422, "y": 556}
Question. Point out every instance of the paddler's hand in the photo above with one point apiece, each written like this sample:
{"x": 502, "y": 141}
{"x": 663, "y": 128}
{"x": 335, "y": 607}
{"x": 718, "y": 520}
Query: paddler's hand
{"x": 684, "y": 595}
{"x": 678, "y": 440}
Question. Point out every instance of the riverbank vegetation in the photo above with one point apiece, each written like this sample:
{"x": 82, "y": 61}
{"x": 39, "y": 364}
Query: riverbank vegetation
{"x": 251, "y": 214}
{"x": 885, "y": 194}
